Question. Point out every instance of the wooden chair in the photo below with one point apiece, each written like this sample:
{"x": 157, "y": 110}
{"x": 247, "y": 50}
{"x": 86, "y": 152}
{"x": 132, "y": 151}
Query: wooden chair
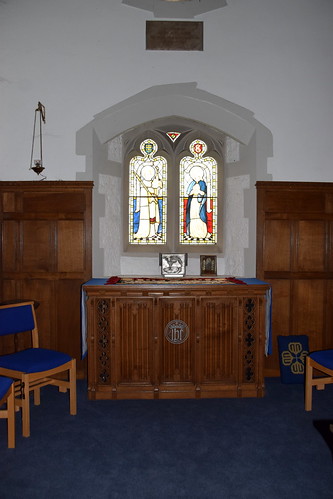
{"x": 322, "y": 361}
{"x": 34, "y": 367}
{"x": 7, "y": 397}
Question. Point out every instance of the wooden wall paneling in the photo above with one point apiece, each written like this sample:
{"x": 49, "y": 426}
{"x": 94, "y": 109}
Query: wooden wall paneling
{"x": 311, "y": 247}
{"x": 328, "y": 336}
{"x": 302, "y": 266}
{"x": 8, "y": 343}
{"x": 308, "y": 310}
{"x": 12, "y": 288}
{"x": 37, "y": 243}
{"x": 64, "y": 198}
{"x": 43, "y": 291}
{"x": 68, "y": 300}
{"x": 45, "y": 255}
{"x": 329, "y": 263}
{"x": 71, "y": 249}
{"x": 276, "y": 240}
{"x": 10, "y": 245}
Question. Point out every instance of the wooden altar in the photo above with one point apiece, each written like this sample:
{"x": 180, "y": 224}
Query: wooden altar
{"x": 193, "y": 339}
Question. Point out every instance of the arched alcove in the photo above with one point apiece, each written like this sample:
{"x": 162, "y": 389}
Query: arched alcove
{"x": 101, "y": 143}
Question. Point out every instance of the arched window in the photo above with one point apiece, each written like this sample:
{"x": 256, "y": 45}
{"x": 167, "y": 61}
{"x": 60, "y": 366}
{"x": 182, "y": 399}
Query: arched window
{"x": 148, "y": 196}
{"x": 174, "y": 192}
{"x": 198, "y": 197}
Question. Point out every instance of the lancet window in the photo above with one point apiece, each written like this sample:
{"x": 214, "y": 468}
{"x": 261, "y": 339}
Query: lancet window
{"x": 148, "y": 196}
{"x": 187, "y": 204}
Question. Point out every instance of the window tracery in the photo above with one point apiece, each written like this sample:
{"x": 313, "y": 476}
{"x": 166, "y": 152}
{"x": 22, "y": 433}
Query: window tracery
{"x": 173, "y": 192}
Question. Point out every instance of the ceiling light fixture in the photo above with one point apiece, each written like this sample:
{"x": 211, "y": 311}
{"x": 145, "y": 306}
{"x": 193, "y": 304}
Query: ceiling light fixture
{"x": 38, "y": 163}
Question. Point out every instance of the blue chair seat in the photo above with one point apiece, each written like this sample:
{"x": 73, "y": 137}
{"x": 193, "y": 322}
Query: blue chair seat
{"x": 323, "y": 357}
{"x": 319, "y": 373}
{"x": 7, "y": 399}
{"x": 34, "y": 360}
{"x": 33, "y": 368}
{"x": 4, "y": 385}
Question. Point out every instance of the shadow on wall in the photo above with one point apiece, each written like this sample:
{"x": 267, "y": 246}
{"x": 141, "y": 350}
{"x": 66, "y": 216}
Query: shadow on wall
{"x": 185, "y": 102}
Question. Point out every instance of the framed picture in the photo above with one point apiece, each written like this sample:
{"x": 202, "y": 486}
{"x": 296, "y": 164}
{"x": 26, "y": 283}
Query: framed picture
{"x": 173, "y": 264}
{"x": 208, "y": 265}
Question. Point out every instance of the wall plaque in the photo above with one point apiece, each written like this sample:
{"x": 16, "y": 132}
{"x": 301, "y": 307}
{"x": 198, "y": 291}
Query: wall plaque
{"x": 174, "y": 35}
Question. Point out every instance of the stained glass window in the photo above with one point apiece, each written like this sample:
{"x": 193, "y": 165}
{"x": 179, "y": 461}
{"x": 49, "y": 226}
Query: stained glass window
{"x": 191, "y": 218}
{"x": 148, "y": 196}
{"x": 198, "y": 197}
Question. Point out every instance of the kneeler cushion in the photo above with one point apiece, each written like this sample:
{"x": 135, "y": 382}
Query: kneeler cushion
{"x": 34, "y": 360}
{"x": 293, "y": 350}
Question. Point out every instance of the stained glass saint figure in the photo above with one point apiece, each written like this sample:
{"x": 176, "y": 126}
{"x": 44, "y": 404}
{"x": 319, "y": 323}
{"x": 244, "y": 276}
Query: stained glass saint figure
{"x": 147, "y": 196}
{"x": 198, "y": 196}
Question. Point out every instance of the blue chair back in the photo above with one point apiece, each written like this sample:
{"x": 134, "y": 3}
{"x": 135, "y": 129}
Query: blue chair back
{"x": 16, "y": 319}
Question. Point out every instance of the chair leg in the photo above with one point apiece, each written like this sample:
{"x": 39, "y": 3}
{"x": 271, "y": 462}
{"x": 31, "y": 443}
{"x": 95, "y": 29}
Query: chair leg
{"x": 25, "y": 408}
{"x": 11, "y": 419}
{"x": 72, "y": 389}
{"x": 37, "y": 396}
{"x": 308, "y": 385}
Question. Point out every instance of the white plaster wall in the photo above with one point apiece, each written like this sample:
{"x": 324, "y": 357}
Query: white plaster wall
{"x": 236, "y": 225}
{"x": 272, "y": 59}
{"x": 79, "y": 57}
{"x": 110, "y": 233}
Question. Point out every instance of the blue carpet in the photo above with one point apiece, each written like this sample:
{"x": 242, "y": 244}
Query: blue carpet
{"x": 167, "y": 449}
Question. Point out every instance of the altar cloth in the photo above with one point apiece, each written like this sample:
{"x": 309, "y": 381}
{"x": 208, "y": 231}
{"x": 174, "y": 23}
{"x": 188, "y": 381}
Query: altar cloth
{"x": 172, "y": 280}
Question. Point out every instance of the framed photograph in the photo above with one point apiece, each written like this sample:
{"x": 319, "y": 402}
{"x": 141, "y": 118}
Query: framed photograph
{"x": 173, "y": 264}
{"x": 208, "y": 265}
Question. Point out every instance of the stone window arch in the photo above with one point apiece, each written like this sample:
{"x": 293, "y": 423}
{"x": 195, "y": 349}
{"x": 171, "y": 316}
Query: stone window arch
{"x": 248, "y": 145}
{"x": 173, "y": 152}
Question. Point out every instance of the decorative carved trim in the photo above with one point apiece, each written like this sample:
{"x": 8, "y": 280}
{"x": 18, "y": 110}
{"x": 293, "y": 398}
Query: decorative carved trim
{"x": 103, "y": 341}
{"x": 249, "y": 329}
{"x": 176, "y": 331}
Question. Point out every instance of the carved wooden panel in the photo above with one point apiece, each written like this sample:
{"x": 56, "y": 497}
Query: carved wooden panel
{"x": 308, "y": 306}
{"x": 310, "y": 246}
{"x": 37, "y": 241}
{"x": 45, "y": 237}
{"x": 327, "y": 340}
{"x": 175, "y": 341}
{"x": 295, "y": 255}
{"x": 66, "y": 201}
{"x": 134, "y": 341}
{"x": 219, "y": 352}
{"x": 70, "y": 246}
{"x": 104, "y": 341}
{"x": 177, "y": 362}
{"x": 277, "y": 230}
{"x": 10, "y": 245}
{"x": 42, "y": 291}
{"x": 249, "y": 340}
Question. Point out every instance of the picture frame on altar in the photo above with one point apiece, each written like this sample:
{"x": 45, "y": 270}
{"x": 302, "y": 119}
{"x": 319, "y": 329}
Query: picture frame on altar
{"x": 208, "y": 265}
{"x": 173, "y": 264}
